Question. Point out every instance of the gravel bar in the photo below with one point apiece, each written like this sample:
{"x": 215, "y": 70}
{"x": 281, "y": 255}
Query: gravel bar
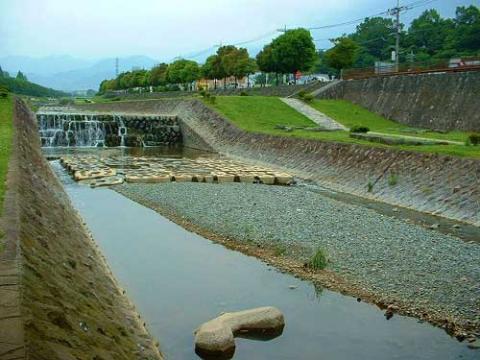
{"x": 394, "y": 259}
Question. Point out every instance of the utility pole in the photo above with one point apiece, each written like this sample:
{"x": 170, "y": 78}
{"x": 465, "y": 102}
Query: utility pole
{"x": 396, "y": 12}
{"x": 284, "y": 30}
{"x": 116, "y": 67}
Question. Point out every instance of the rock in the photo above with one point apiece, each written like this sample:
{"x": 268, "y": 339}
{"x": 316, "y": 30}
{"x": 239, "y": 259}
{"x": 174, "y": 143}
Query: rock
{"x": 390, "y": 311}
{"x": 434, "y": 226}
{"x": 293, "y": 287}
{"x": 216, "y": 337}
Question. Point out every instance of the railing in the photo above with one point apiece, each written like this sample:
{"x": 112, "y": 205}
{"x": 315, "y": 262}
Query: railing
{"x": 448, "y": 65}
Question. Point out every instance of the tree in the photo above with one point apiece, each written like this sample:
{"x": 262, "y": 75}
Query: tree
{"x": 183, "y": 72}
{"x": 293, "y": 51}
{"x": 427, "y": 34}
{"x": 158, "y": 75}
{"x": 266, "y": 63}
{"x": 212, "y": 69}
{"x": 237, "y": 63}
{"x": 21, "y": 76}
{"x": 375, "y": 40}
{"x": 465, "y": 37}
{"x": 342, "y": 55}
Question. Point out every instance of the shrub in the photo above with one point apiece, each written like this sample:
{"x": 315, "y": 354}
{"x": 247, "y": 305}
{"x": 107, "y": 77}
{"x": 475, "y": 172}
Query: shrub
{"x": 3, "y": 92}
{"x": 308, "y": 98}
{"x": 392, "y": 179}
{"x": 474, "y": 139}
{"x": 66, "y": 101}
{"x": 319, "y": 260}
{"x": 359, "y": 129}
{"x": 370, "y": 186}
{"x": 301, "y": 94}
{"x": 243, "y": 93}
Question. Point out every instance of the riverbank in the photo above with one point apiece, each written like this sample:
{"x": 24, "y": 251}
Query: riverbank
{"x": 65, "y": 302}
{"x": 377, "y": 258}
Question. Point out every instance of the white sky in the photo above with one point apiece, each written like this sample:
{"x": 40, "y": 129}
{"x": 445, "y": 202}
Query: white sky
{"x": 164, "y": 29}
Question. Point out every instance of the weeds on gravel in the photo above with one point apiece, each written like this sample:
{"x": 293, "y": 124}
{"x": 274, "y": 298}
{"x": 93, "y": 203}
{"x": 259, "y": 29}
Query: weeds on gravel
{"x": 392, "y": 179}
{"x": 319, "y": 260}
{"x": 279, "y": 250}
{"x": 370, "y": 186}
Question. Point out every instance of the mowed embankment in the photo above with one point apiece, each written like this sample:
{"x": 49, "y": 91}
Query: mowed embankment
{"x": 437, "y": 184}
{"x": 68, "y": 305}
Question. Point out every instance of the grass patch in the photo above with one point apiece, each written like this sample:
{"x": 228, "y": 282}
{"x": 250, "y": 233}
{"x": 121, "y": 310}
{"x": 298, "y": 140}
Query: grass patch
{"x": 6, "y": 133}
{"x": 319, "y": 260}
{"x": 262, "y": 114}
{"x": 392, "y": 179}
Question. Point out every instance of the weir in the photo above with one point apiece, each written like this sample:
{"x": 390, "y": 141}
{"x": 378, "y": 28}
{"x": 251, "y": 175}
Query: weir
{"x": 61, "y": 129}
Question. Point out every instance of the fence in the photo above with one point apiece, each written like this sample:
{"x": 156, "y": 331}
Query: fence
{"x": 445, "y": 65}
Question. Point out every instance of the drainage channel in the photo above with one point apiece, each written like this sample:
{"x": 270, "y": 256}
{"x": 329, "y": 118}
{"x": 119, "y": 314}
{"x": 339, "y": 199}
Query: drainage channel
{"x": 178, "y": 280}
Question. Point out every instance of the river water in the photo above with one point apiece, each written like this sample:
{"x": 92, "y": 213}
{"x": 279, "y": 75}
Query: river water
{"x": 178, "y": 280}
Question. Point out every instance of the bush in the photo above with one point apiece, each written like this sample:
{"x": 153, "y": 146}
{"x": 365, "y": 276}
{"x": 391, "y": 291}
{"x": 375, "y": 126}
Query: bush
{"x": 319, "y": 260}
{"x": 66, "y": 101}
{"x": 308, "y": 98}
{"x": 392, "y": 179}
{"x": 3, "y": 92}
{"x": 243, "y": 93}
{"x": 474, "y": 139}
{"x": 301, "y": 94}
{"x": 370, "y": 187}
{"x": 359, "y": 129}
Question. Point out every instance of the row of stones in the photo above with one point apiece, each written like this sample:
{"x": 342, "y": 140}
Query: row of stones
{"x": 97, "y": 171}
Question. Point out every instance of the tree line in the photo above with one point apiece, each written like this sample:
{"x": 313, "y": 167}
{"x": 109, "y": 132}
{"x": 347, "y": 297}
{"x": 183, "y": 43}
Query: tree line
{"x": 20, "y": 85}
{"x": 291, "y": 52}
{"x": 429, "y": 38}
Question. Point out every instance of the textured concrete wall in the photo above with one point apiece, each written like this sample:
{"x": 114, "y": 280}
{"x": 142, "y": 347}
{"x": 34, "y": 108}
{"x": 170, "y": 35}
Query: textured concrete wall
{"x": 71, "y": 306}
{"x": 436, "y": 101}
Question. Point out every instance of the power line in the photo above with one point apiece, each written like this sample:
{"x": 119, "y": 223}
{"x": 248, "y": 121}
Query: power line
{"x": 392, "y": 11}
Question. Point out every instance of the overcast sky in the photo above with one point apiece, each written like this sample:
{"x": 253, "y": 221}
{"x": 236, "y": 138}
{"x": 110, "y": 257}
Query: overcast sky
{"x": 164, "y": 29}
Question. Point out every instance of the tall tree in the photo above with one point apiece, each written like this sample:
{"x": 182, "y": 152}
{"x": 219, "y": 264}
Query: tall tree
{"x": 21, "y": 76}
{"x": 212, "y": 69}
{"x": 158, "y": 75}
{"x": 293, "y": 51}
{"x": 184, "y": 72}
{"x": 343, "y": 54}
{"x": 466, "y": 36}
{"x": 427, "y": 33}
{"x": 375, "y": 40}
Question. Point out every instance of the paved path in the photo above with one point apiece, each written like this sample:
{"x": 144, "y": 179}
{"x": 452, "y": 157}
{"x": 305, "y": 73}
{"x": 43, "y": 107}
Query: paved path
{"x": 316, "y": 116}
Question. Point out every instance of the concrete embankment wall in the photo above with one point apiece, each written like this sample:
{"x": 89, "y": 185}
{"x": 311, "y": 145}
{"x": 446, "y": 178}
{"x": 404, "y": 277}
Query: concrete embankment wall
{"x": 447, "y": 101}
{"x": 443, "y": 185}
{"x": 70, "y": 305}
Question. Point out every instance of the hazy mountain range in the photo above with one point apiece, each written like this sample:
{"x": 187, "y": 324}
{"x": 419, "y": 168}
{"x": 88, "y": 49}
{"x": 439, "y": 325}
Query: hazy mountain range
{"x": 68, "y": 73}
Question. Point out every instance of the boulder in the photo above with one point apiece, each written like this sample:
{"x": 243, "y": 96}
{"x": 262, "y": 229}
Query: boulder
{"x": 217, "y": 337}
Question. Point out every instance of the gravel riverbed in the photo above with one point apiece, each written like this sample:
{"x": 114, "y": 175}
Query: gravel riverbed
{"x": 394, "y": 259}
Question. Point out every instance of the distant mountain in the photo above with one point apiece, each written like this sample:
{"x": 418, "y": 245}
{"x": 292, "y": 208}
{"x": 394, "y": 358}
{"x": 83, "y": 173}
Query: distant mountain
{"x": 71, "y": 73}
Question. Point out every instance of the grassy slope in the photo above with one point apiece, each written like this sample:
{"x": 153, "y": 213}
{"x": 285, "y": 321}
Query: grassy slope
{"x": 350, "y": 114}
{"x": 6, "y": 132}
{"x": 261, "y": 114}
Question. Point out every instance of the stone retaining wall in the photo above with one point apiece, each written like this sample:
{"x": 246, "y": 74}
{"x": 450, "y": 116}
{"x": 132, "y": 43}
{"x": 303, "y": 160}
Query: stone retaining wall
{"x": 443, "y": 185}
{"x": 70, "y": 305}
{"x": 447, "y": 101}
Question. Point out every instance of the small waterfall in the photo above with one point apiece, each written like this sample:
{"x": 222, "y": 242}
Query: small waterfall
{"x": 122, "y": 129}
{"x": 70, "y": 130}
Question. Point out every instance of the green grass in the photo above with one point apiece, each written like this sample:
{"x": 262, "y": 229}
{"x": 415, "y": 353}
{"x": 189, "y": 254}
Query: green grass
{"x": 6, "y": 133}
{"x": 351, "y": 115}
{"x": 261, "y": 114}
{"x": 319, "y": 260}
